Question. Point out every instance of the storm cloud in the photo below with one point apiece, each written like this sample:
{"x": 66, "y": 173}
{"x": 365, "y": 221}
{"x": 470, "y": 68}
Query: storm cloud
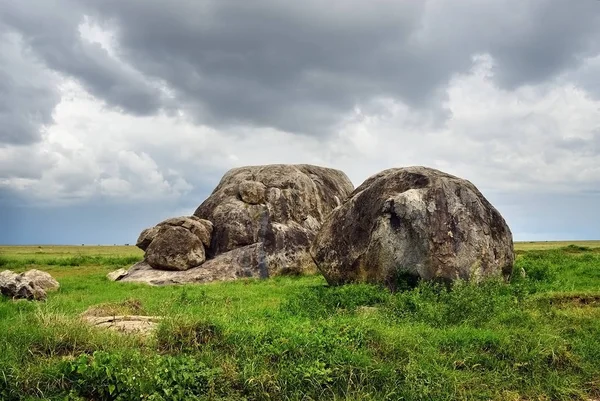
{"x": 148, "y": 101}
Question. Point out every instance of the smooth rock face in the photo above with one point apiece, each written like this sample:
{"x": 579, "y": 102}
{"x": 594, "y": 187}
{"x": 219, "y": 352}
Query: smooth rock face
{"x": 413, "y": 222}
{"x": 175, "y": 248}
{"x": 278, "y": 208}
{"x": 31, "y": 284}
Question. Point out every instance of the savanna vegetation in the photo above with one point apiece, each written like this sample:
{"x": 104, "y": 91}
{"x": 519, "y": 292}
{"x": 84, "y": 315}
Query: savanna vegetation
{"x": 295, "y": 338}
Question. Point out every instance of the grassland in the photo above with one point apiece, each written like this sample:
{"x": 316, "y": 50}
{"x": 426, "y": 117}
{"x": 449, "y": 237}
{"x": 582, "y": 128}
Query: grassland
{"x": 294, "y": 338}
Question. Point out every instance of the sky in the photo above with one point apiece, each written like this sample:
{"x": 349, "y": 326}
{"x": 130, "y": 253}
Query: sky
{"x": 115, "y": 115}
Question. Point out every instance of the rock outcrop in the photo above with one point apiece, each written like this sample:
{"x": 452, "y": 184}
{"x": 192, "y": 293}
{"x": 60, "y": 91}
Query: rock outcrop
{"x": 413, "y": 223}
{"x": 258, "y": 222}
{"x": 32, "y": 284}
{"x": 271, "y": 213}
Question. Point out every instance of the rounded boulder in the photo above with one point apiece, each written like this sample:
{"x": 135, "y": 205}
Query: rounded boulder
{"x": 406, "y": 224}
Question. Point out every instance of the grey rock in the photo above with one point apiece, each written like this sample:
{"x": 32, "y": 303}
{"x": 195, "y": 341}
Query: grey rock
{"x": 40, "y": 279}
{"x": 128, "y": 324}
{"x": 117, "y": 274}
{"x": 413, "y": 222}
{"x": 32, "y": 284}
{"x": 175, "y": 248}
{"x": 146, "y": 237}
{"x": 201, "y": 228}
{"x": 278, "y": 208}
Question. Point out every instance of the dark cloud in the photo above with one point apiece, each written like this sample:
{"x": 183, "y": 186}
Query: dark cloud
{"x": 51, "y": 30}
{"x": 27, "y": 93}
{"x": 300, "y": 67}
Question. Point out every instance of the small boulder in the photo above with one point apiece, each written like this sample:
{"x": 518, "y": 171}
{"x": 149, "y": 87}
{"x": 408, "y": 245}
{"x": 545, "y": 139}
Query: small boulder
{"x": 199, "y": 227}
{"x": 146, "y": 237}
{"x": 32, "y": 284}
{"x": 413, "y": 223}
{"x": 117, "y": 275}
{"x": 40, "y": 279}
{"x": 175, "y": 248}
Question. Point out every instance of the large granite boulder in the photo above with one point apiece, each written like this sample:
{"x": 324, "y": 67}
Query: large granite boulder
{"x": 271, "y": 214}
{"x": 258, "y": 222}
{"x": 413, "y": 223}
{"x": 32, "y": 284}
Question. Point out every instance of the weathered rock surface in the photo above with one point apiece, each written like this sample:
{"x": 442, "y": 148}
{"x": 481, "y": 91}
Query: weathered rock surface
{"x": 177, "y": 243}
{"x": 175, "y": 248}
{"x": 130, "y": 324}
{"x": 146, "y": 237}
{"x": 414, "y": 222}
{"x": 31, "y": 284}
{"x": 201, "y": 228}
{"x": 278, "y": 208}
{"x": 258, "y": 222}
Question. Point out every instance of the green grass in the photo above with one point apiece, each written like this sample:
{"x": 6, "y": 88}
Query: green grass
{"x": 298, "y": 339}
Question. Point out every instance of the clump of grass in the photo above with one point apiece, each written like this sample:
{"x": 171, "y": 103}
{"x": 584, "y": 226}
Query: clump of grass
{"x": 184, "y": 334}
{"x": 322, "y": 301}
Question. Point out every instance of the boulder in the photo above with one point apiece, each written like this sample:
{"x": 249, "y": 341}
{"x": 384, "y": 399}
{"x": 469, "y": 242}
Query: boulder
{"x": 175, "y": 248}
{"x": 32, "y": 284}
{"x": 258, "y": 222}
{"x": 40, "y": 279}
{"x": 412, "y": 223}
{"x": 146, "y": 237}
{"x": 201, "y": 228}
{"x": 278, "y": 208}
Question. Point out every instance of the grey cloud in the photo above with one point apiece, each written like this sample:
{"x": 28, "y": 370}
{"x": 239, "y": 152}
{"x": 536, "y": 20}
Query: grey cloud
{"x": 300, "y": 67}
{"x": 51, "y": 30}
{"x": 27, "y": 93}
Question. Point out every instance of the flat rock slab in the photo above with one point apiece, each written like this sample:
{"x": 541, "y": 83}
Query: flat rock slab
{"x": 238, "y": 263}
{"x": 125, "y": 324}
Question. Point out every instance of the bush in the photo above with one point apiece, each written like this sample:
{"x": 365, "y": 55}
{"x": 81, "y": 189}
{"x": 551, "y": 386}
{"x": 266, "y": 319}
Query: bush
{"x": 462, "y": 303}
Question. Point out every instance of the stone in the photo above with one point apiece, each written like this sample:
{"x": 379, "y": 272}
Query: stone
{"x": 201, "y": 228}
{"x": 117, "y": 274}
{"x": 31, "y": 284}
{"x": 40, "y": 279}
{"x": 128, "y": 324}
{"x": 175, "y": 248}
{"x": 260, "y": 221}
{"x": 146, "y": 237}
{"x": 412, "y": 223}
{"x": 238, "y": 263}
{"x": 278, "y": 208}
